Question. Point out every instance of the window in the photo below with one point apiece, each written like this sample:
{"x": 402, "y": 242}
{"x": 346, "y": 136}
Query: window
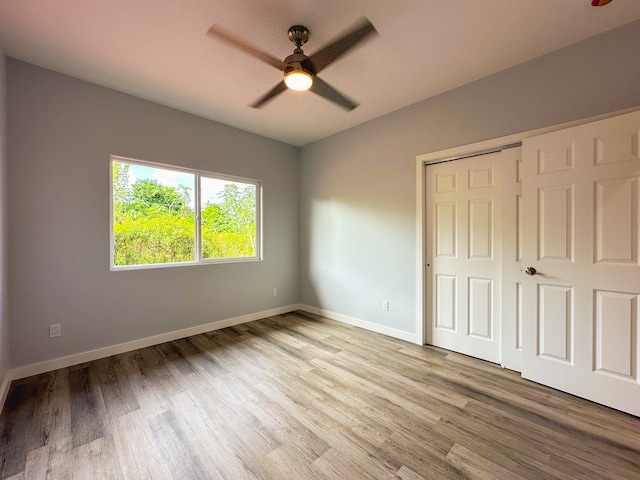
{"x": 163, "y": 215}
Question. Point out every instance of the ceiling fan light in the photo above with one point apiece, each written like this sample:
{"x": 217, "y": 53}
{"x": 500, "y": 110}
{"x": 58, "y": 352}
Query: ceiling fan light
{"x": 298, "y": 80}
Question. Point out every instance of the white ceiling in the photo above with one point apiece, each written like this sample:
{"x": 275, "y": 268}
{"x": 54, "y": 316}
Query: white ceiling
{"x": 157, "y": 49}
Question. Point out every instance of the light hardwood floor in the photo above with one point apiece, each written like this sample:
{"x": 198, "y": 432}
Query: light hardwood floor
{"x": 301, "y": 397}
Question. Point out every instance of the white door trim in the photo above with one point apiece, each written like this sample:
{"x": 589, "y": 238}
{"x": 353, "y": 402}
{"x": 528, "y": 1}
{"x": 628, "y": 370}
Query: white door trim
{"x": 450, "y": 154}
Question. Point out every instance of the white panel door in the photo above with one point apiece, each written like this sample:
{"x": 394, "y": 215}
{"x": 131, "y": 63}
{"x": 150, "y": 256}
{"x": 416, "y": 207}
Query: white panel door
{"x": 464, "y": 255}
{"x": 581, "y": 197}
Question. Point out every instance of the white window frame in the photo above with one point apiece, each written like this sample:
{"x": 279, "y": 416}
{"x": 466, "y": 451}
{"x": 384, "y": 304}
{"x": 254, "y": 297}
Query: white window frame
{"x": 198, "y": 174}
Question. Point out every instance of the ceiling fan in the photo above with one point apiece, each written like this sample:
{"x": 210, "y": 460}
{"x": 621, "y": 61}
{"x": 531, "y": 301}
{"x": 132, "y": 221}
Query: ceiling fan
{"x": 301, "y": 71}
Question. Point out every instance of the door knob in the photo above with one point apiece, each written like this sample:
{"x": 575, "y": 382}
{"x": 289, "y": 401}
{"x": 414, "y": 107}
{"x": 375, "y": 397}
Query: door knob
{"x": 530, "y": 271}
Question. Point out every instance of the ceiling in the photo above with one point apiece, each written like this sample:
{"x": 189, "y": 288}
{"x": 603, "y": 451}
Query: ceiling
{"x": 158, "y": 50}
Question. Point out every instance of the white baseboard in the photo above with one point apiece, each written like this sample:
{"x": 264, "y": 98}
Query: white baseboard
{"x": 75, "y": 359}
{"x": 356, "y": 322}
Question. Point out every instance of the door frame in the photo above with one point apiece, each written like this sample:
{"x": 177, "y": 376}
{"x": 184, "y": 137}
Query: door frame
{"x": 454, "y": 153}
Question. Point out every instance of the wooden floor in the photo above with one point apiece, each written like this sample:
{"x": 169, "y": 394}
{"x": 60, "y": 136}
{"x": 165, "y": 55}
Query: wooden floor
{"x": 301, "y": 397}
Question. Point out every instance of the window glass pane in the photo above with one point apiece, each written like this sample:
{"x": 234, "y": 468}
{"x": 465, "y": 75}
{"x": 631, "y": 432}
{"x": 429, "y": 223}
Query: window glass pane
{"x": 153, "y": 215}
{"x": 228, "y": 212}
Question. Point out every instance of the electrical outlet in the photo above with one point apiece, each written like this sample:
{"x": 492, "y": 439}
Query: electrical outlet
{"x": 385, "y": 305}
{"x": 55, "y": 330}
{"x": 275, "y": 292}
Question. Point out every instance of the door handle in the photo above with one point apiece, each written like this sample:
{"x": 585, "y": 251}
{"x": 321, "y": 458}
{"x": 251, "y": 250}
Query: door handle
{"x": 530, "y": 271}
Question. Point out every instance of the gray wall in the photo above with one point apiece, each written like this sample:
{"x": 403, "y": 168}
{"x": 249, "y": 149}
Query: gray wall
{"x": 358, "y": 214}
{"x": 61, "y": 132}
{"x": 4, "y": 317}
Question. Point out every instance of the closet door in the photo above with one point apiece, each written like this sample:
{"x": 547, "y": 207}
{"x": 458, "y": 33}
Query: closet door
{"x": 464, "y": 235}
{"x": 581, "y": 198}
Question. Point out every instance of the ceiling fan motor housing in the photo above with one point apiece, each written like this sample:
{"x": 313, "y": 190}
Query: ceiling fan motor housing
{"x": 298, "y": 61}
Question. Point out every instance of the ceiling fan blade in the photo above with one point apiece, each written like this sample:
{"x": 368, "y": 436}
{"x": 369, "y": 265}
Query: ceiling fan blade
{"x": 334, "y": 50}
{"x": 220, "y": 33}
{"x": 325, "y": 90}
{"x": 277, "y": 90}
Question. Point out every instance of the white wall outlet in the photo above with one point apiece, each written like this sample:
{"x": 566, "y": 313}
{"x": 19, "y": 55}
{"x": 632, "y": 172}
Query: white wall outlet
{"x": 385, "y": 305}
{"x": 275, "y": 292}
{"x": 55, "y": 330}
